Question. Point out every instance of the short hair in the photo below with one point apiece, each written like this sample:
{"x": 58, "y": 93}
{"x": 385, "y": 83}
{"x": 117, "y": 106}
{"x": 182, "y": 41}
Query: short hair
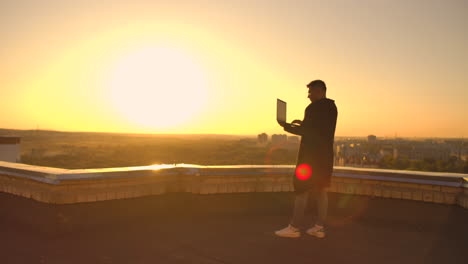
{"x": 317, "y": 83}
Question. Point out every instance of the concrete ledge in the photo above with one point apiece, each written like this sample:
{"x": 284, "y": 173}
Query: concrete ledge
{"x": 61, "y": 186}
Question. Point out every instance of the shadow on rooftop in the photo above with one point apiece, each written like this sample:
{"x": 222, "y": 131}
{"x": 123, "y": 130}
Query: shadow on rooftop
{"x": 229, "y": 228}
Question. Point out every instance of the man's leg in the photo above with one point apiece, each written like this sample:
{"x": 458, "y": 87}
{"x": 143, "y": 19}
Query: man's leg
{"x": 300, "y": 204}
{"x": 322, "y": 206}
{"x": 321, "y": 196}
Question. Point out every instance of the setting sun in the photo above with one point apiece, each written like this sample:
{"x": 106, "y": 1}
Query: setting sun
{"x": 157, "y": 86}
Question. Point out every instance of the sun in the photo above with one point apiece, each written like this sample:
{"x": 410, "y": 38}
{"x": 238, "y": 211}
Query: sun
{"x": 157, "y": 87}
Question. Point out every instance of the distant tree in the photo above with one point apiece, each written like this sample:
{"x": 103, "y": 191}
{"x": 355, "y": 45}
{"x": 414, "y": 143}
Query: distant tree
{"x": 401, "y": 164}
{"x": 441, "y": 165}
{"x": 386, "y": 162}
{"x": 429, "y": 164}
{"x": 415, "y": 165}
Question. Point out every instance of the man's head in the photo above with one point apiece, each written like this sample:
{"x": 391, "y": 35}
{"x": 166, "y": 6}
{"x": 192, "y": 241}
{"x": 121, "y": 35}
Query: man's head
{"x": 317, "y": 90}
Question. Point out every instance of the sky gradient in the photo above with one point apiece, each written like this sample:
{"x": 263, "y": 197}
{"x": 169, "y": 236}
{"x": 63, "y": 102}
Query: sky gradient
{"x": 392, "y": 67}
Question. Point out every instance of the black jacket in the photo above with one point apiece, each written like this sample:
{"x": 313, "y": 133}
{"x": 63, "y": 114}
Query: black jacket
{"x": 316, "y": 149}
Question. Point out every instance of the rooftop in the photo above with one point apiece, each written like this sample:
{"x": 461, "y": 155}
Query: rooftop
{"x": 228, "y": 228}
{"x": 375, "y": 216}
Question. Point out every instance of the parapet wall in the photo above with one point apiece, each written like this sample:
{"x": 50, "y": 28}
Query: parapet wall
{"x": 61, "y": 186}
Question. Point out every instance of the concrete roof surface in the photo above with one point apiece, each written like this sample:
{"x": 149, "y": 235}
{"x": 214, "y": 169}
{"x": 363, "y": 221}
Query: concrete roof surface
{"x": 229, "y": 228}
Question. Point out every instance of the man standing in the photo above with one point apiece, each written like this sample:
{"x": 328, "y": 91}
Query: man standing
{"x": 314, "y": 161}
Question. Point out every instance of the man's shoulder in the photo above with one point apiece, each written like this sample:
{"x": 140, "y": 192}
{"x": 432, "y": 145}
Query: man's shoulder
{"x": 332, "y": 104}
{"x": 326, "y": 103}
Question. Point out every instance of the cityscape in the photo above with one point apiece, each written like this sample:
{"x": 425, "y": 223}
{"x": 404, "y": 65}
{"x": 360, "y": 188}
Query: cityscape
{"x": 98, "y": 150}
{"x": 425, "y": 154}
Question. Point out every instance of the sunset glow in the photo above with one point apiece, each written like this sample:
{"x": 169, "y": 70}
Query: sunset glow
{"x": 212, "y": 67}
{"x": 157, "y": 87}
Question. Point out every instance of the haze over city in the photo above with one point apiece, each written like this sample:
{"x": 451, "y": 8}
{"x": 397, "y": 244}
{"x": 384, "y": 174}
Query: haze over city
{"x": 392, "y": 67}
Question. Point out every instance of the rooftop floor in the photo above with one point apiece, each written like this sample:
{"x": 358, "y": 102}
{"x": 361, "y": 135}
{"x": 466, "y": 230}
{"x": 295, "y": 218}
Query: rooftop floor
{"x": 228, "y": 228}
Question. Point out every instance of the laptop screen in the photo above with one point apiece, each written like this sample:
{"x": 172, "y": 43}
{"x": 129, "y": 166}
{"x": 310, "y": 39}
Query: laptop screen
{"x": 280, "y": 110}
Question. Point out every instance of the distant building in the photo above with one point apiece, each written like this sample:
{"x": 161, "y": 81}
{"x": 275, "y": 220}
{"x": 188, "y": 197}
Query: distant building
{"x": 339, "y": 158}
{"x": 387, "y": 150}
{"x": 464, "y": 157}
{"x": 262, "y": 138}
{"x": 247, "y": 141}
{"x": 426, "y": 151}
{"x": 358, "y": 152}
{"x": 371, "y": 138}
{"x": 293, "y": 139}
{"x": 279, "y": 138}
{"x": 456, "y": 148}
{"x": 10, "y": 149}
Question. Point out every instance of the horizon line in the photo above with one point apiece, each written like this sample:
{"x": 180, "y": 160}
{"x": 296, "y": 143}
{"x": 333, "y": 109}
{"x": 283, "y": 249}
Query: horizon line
{"x": 217, "y": 134}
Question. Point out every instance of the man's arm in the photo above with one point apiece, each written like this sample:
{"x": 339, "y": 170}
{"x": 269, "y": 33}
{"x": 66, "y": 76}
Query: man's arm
{"x": 320, "y": 125}
{"x": 296, "y": 130}
{"x": 297, "y": 126}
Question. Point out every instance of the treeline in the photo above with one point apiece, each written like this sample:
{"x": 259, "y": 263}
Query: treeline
{"x": 202, "y": 152}
{"x": 427, "y": 164}
{"x": 76, "y": 150}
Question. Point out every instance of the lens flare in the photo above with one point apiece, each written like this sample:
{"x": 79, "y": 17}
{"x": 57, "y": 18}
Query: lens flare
{"x": 350, "y": 210}
{"x": 303, "y": 171}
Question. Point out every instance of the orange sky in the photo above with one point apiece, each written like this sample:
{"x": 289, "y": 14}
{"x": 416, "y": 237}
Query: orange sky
{"x": 218, "y": 67}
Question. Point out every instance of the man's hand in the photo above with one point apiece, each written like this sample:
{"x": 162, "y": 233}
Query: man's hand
{"x": 281, "y": 123}
{"x": 296, "y": 122}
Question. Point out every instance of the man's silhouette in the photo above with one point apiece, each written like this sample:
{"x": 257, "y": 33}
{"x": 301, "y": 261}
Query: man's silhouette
{"x": 314, "y": 161}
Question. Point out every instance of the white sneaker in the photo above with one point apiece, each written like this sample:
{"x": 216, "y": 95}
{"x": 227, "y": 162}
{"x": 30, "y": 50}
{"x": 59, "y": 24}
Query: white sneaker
{"x": 317, "y": 231}
{"x": 288, "y": 231}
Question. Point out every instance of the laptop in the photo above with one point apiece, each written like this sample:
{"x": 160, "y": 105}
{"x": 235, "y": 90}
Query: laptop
{"x": 280, "y": 111}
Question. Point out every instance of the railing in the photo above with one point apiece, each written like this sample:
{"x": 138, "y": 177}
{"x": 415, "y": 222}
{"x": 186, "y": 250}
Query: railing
{"x": 55, "y": 185}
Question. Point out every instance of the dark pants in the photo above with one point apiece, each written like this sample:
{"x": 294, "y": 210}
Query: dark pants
{"x": 320, "y": 195}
